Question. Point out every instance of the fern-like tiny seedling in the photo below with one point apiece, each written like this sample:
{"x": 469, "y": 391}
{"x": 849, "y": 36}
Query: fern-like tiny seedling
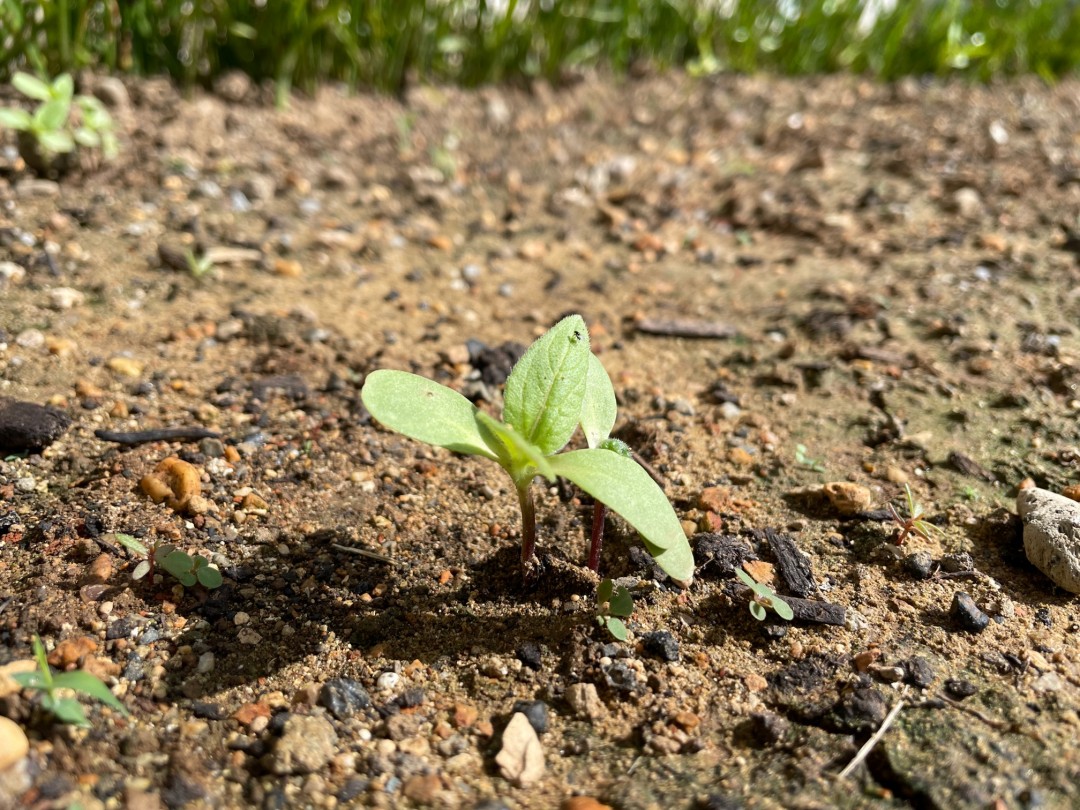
{"x": 613, "y": 604}
{"x": 762, "y": 597}
{"x": 914, "y": 523}
{"x": 65, "y": 709}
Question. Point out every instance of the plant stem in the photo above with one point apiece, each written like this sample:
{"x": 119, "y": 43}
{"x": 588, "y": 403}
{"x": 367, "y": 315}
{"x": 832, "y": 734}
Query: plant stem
{"x": 528, "y": 524}
{"x": 599, "y": 514}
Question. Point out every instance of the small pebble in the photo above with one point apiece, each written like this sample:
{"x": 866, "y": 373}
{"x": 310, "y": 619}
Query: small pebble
{"x": 343, "y": 697}
{"x": 919, "y": 564}
{"x": 661, "y": 644}
{"x": 387, "y": 681}
{"x": 848, "y": 498}
{"x": 536, "y": 711}
{"x": 959, "y": 688}
{"x": 967, "y": 613}
{"x": 919, "y": 671}
{"x": 955, "y": 563}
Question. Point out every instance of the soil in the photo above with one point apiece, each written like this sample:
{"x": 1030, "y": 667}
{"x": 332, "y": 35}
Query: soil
{"x": 886, "y": 282}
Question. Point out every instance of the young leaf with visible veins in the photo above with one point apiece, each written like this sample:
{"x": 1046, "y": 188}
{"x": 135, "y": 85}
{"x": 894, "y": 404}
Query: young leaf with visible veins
{"x": 423, "y": 409}
{"x": 544, "y": 391}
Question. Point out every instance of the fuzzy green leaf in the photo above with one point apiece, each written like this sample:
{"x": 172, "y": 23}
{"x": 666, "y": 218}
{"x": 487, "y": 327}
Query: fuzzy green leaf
{"x": 128, "y": 541}
{"x": 624, "y": 486}
{"x": 141, "y": 570}
{"x": 781, "y": 608}
{"x": 88, "y": 684}
{"x": 545, "y": 390}
{"x": 424, "y": 410}
{"x": 519, "y": 456}
{"x": 616, "y": 628}
{"x": 622, "y": 603}
{"x": 757, "y": 610}
{"x": 599, "y": 409}
{"x": 63, "y": 87}
{"x": 15, "y": 119}
{"x": 178, "y": 563}
{"x": 87, "y": 137}
{"x": 31, "y": 86}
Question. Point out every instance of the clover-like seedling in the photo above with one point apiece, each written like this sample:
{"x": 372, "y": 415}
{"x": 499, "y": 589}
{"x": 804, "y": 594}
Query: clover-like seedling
{"x": 803, "y": 459}
{"x": 762, "y": 597}
{"x": 189, "y": 570}
{"x": 65, "y": 709}
{"x": 914, "y": 523}
{"x": 613, "y": 604}
{"x": 542, "y": 406}
{"x": 62, "y": 121}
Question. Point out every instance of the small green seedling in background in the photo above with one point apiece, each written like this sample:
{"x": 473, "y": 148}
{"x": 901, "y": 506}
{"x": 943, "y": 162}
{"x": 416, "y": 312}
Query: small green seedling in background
{"x": 612, "y": 606}
{"x": 914, "y": 523}
{"x": 65, "y": 709}
{"x": 190, "y": 570}
{"x": 764, "y": 597}
{"x": 542, "y": 406}
{"x": 62, "y": 121}
{"x": 803, "y": 460}
{"x": 198, "y": 266}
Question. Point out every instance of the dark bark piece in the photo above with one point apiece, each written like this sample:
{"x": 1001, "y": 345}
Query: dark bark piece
{"x": 720, "y": 554}
{"x": 813, "y": 610}
{"x": 26, "y": 427}
{"x": 793, "y": 565}
{"x": 174, "y": 434}
{"x": 705, "y": 330}
{"x": 969, "y": 466}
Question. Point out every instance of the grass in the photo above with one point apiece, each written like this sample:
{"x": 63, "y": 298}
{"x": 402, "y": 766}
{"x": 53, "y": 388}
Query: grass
{"x": 386, "y": 43}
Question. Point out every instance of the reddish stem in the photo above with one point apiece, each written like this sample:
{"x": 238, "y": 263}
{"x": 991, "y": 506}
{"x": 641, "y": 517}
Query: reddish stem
{"x": 599, "y": 513}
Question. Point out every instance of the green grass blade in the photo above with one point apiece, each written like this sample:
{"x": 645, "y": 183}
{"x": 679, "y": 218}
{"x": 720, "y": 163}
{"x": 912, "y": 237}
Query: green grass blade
{"x": 88, "y": 684}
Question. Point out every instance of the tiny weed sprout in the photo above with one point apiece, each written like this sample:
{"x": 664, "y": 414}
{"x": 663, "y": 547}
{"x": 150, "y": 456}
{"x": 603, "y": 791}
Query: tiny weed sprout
{"x": 65, "y": 709}
{"x": 762, "y": 597}
{"x": 804, "y": 460}
{"x": 612, "y": 606}
{"x": 914, "y": 523}
{"x": 545, "y": 399}
{"x": 61, "y": 123}
{"x": 189, "y": 570}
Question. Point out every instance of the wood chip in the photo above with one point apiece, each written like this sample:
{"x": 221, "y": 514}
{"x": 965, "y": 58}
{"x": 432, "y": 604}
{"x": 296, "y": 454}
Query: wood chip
{"x": 793, "y": 565}
{"x": 705, "y": 330}
{"x": 813, "y": 610}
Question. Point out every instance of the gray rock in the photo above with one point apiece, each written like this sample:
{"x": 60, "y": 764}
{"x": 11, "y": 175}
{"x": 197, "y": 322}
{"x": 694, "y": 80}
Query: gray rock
{"x": 306, "y": 745}
{"x": 968, "y": 614}
{"x": 26, "y": 427}
{"x": 1052, "y": 535}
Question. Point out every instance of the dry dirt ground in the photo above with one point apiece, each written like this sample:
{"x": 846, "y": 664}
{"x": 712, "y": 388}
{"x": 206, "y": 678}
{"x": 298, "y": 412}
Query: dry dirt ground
{"x": 885, "y": 276}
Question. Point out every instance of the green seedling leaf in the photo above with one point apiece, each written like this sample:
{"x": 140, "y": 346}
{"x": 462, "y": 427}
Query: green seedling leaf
{"x": 545, "y": 390}
{"x": 56, "y": 142}
{"x": 29, "y": 680}
{"x": 186, "y": 578}
{"x": 598, "y": 409}
{"x": 31, "y": 86}
{"x": 127, "y": 541}
{"x": 617, "y": 446}
{"x": 66, "y": 710}
{"x": 88, "y": 684}
{"x": 209, "y": 577}
{"x": 782, "y": 608}
{"x": 15, "y": 119}
{"x": 521, "y": 458}
{"x": 425, "y": 410}
{"x": 616, "y": 628}
{"x": 746, "y": 579}
{"x": 757, "y": 610}
{"x": 141, "y": 570}
{"x": 622, "y": 603}
{"x": 87, "y": 137}
{"x": 604, "y": 591}
{"x": 63, "y": 87}
{"x": 624, "y": 486}
{"x": 52, "y": 115}
{"x": 178, "y": 564}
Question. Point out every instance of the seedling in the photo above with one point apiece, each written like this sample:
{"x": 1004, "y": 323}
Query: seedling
{"x": 914, "y": 523}
{"x": 61, "y": 123}
{"x": 65, "y": 709}
{"x": 612, "y": 606}
{"x": 542, "y": 406}
{"x": 198, "y": 266}
{"x": 802, "y": 459}
{"x": 762, "y": 597}
{"x": 190, "y": 570}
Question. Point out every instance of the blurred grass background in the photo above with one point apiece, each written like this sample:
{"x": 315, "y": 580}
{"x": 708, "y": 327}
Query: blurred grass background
{"x": 383, "y": 43}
